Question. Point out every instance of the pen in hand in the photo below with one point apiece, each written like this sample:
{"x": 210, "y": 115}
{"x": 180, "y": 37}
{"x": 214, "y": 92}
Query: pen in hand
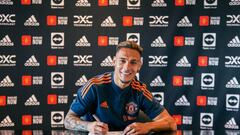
{"x": 103, "y": 126}
{"x": 96, "y": 118}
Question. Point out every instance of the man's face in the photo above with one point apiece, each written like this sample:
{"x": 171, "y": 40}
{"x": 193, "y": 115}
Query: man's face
{"x": 127, "y": 64}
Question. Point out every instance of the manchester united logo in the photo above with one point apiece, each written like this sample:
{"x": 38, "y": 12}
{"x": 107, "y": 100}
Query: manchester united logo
{"x": 131, "y": 108}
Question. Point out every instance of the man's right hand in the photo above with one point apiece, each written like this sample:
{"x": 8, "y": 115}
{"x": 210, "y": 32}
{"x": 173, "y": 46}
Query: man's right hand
{"x": 96, "y": 128}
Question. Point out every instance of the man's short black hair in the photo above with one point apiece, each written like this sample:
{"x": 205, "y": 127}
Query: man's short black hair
{"x": 131, "y": 45}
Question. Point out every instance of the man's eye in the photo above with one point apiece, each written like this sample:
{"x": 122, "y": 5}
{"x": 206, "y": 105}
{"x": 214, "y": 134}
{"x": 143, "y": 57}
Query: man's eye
{"x": 133, "y": 62}
{"x": 122, "y": 61}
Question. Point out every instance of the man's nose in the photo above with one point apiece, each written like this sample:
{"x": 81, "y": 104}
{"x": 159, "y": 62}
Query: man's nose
{"x": 126, "y": 65}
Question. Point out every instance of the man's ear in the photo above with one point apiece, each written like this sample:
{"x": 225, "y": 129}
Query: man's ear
{"x": 114, "y": 60}
{"x": 141, "y": 63}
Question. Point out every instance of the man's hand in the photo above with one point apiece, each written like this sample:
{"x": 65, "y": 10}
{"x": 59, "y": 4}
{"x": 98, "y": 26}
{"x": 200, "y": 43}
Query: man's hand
{"x": 136, "y": 129}
{"x": 96, "y": 128}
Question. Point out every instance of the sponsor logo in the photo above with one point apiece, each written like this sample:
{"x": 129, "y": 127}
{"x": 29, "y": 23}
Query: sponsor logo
{"x": 201, "y": 100}
{"x": 204, "y": 101}
{"x": 57, "y": 40}
{"x": 83, "y": 42}
{"x": 57, "y": 80}
{"x": 32, "y": 61}
{"x": 207, "y": 132}
{"x": 181, "y": 41}
{"x": 6, "y": 41}
{"x": 235, "y": 42}
{"x": 107, "y": 62}
{"x": 51, "y": 20}
{"x": 57, "y": 4}
{"x": 102, "y": 40}
{"x": 12, "y": 100}
{"x": 3, "y": 101}
{"x": 57, "y": 119}
{"x": 6, "y": 2}
{"x": 7, "y": 122}
{"x": 106, "y": 40}
{"x": 26, "y": 80}
{"x": 158, "y": 42}
{"x": 182, "y": 101}
{"x": 158, "y": 21}
{"x": 31, "y": 21}
{"x": 207, "y": 81}
{"x": 157, "y": 61}
{"x": 53, "y": 60}
{"x": 135, "y": 37}
{"x": 7, "y": 60}
{"x": 83, "y": 21}
{"x": 6, "y": 82}
{"x": 184, "y": 22}
{"x": 204, "y": 61}
{"x": 159, "y": 3}
{"x": 177, "y": 80}
{"x": 231, "y": 124}
{"x": 234, "y": 2}
{"x": 52, "y": 99}
{"x": 28, "y": 40}
{"x": 26, "y": 120}
{"x": 83, "y": 3}
{"x": 133, "y": 4}
{"x": 209, "y": 41}
{"x": 180, "y": 80}
{"x": 232, "y": 102}
{"x": 62, "y": 99}
{"x": 104, "y": 104}
{"x": 233, "y": 20}
{"x": 232, "y": 61}
{"x": 233, "y": 83}
{"x": 129, "y": 21}
{"x": 131, "y": 108}
{"x": 82, "y": 60}
{"x": 178, "y": 119}
{"x": 108, "y": 22}
{"x": 183, "y": 62}
{"x": 204, "y": 21}
{"x": 178, "y": 40}
{"x": 159, "y": 96}
{"x": 104, "y": 3}
{"x": 157, "y": 82}
{"x": 185, "y": 2}
{"x": 81, "y": 81}
{"x": 206, "y": 120}
{"x": 29, "y": 2}
{"x": 32, "y": 101}
{"x": 187, "y": 120}
{"x": 210, "y": 4}
{"x": 7, "y": 19}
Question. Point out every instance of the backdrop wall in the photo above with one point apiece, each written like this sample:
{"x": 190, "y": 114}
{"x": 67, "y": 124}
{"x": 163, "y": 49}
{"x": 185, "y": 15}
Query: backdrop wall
{"x": 48, "y": 49}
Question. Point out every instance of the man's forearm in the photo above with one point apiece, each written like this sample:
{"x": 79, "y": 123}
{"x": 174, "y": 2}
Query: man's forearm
{"x": 160, "y": 125}
{"x": 73, "y": 122}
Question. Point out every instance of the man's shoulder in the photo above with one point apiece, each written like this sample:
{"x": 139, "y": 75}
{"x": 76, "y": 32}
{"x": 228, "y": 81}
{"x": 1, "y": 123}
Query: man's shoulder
{"x": 97, "y": 80}
{"x": 138, "y": 84}
{"x": 140, "y": 87}
{"x": 95, "y": 83}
